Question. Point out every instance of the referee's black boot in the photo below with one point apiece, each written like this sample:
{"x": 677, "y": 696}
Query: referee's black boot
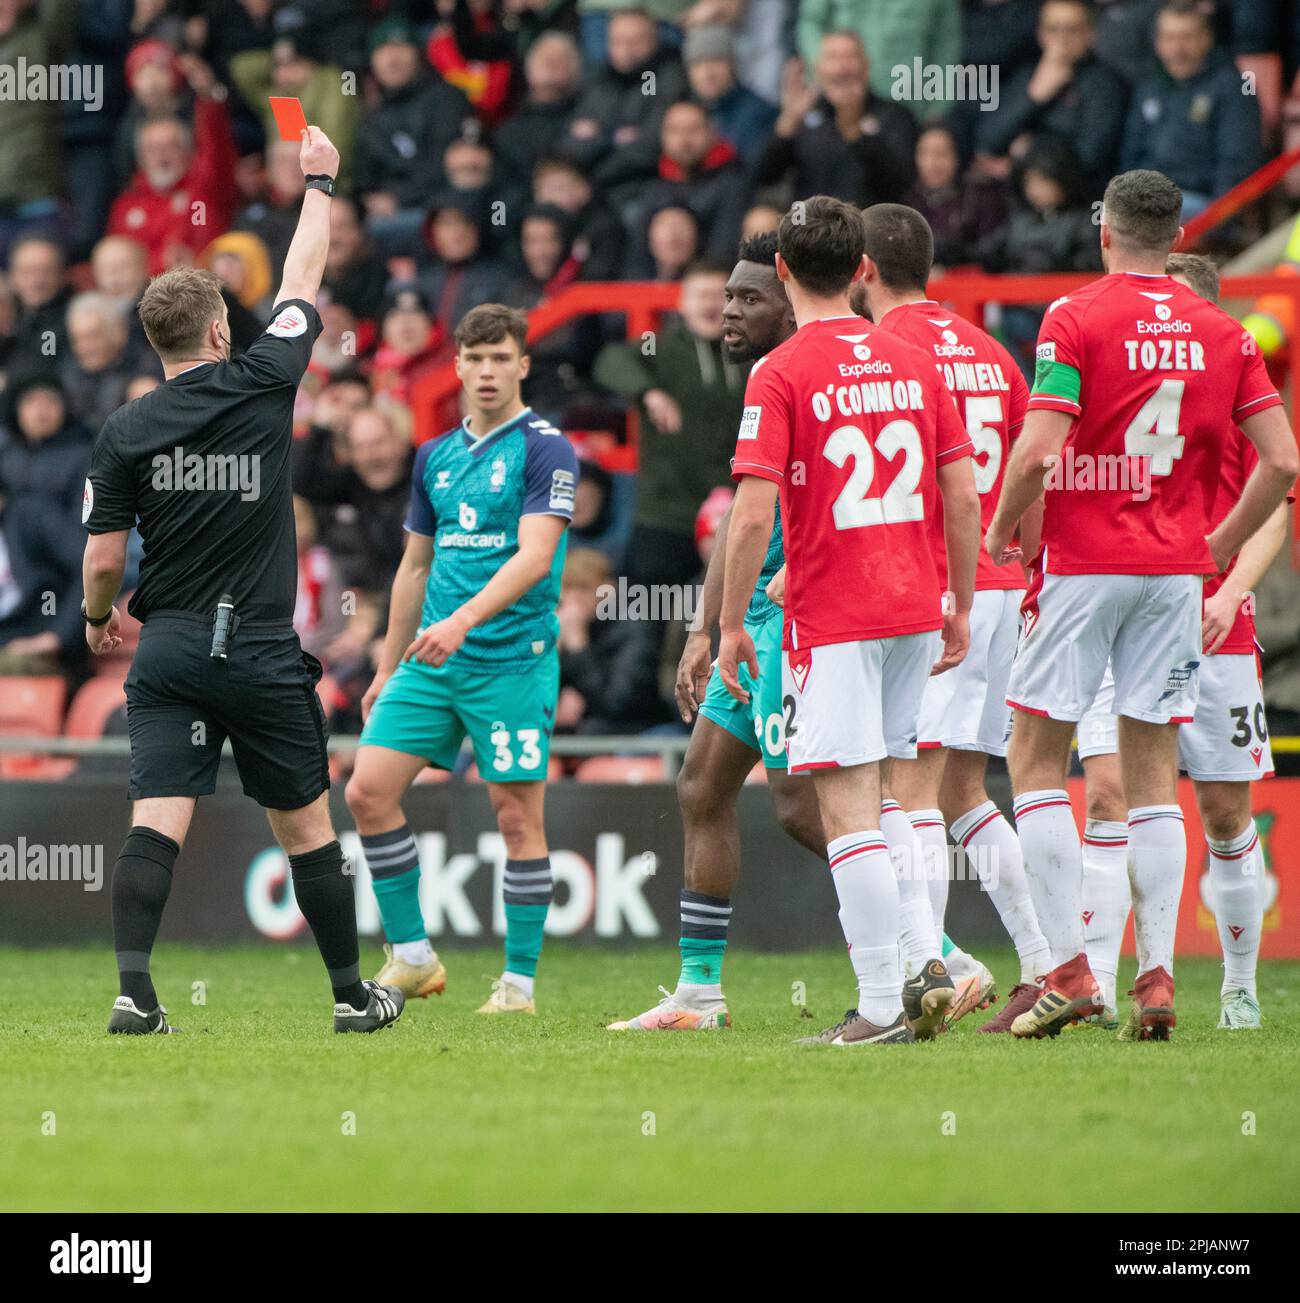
{"x": 127, "y": 1020}
{"x": 383, "y": 1008}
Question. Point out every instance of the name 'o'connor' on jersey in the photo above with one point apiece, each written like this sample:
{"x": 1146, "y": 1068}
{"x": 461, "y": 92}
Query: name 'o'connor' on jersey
{"x": 1156, "y": 377}
{"x": 852, "y": 422}
{"x": 468, "y": 495}
{"x": 990, "y": 394}
{"x": 203, "y": 463}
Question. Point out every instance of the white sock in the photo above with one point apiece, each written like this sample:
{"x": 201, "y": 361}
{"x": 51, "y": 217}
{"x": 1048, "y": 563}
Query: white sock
{"x": 696, "y": 995}
{"x": 413, "y": 952}
{"x": 868, "y": 893}
{"x": 1157, "y": 856}
{"x": 525, "y": 984}
{"x": 1053, "y": 861}
{"x": 959, "y": 963}
{"x": 1236, "y": 868}
{"x": 917, "y": 939}
{"x": 934, "y": 857}
{"x": 1105, "y": 899}
{"x": 993, "y": 850}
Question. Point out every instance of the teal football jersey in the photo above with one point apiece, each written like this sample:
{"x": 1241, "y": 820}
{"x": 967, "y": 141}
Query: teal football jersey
{"x": 761, "y": 607}
{"x": 469, "y": 495}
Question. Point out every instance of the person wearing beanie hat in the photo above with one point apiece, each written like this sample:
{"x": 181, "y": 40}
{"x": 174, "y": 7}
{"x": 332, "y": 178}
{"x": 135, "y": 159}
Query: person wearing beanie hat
{"x": 741, "y": 117}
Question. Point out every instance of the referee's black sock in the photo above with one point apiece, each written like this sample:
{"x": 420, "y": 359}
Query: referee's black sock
{"x": 142, "y": 879}
{"x": 326, "y": 899}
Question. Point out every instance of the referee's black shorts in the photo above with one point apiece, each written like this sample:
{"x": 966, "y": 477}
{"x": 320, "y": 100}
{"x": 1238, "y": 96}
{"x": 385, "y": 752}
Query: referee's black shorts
{"x": 182, "y": 704}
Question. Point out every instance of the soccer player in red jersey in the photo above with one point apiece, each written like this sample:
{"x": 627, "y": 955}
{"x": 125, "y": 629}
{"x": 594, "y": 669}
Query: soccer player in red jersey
{"x": 1142, "y": 377}
{"x": 964, "y": 716}
{"x": 853, "y": 427}
{"x": 1223, "y": 751}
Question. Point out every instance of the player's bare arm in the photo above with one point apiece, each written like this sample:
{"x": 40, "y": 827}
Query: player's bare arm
{"x": 539, "y": 535}
{"x": 1267, "y": 487}
{"x": 697, "y": 655}
{"x": 1043, "y": 437}
{"x": 404, "y": 609}
{"x": 753, "y": 514}
{"x": 102, "y": 567}
{"x": 1031, "y": 534}
{"x": 304, "y": 264}
{"x": 961, "y": 534}
{"x": 1253, "y": 561}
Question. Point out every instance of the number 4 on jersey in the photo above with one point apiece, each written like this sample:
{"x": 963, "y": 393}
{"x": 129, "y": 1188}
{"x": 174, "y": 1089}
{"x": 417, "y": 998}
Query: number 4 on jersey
{"x": 1153, "y": 432}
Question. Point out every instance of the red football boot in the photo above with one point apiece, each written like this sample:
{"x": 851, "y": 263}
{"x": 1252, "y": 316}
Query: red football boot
{"x": 1151, "y": 1017}
{"x": 1022, "y": 999}
{"x": 1069, "y": 992}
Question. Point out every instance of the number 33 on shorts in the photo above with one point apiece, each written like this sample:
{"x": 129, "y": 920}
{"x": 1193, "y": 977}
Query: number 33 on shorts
{"x": 526, "y": 753}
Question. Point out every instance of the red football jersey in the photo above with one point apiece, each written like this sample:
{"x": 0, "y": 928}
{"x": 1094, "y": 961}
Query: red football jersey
{"x": 851, "y": 421}
{"x": 1155, "y": 375}
{"x": 990, "y": 394}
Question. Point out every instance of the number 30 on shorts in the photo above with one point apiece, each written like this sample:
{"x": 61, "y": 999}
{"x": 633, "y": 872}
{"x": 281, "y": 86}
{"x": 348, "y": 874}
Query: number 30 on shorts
{"x": 530, "y": 755}
{"x": 1241, "y": 714}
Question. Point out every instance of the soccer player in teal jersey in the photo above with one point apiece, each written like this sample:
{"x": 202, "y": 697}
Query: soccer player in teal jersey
{"x": 471, "y": 651}
{"x": 729, "y": 738}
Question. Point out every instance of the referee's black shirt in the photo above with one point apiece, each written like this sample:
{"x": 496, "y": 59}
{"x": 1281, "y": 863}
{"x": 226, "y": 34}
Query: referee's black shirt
{"x": 203, "y": 462}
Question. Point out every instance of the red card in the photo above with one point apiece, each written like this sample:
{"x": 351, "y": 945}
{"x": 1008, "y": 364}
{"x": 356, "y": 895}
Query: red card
{"x": 289, "y": 117}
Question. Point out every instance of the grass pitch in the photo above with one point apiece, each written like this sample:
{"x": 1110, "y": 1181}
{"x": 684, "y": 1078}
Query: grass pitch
{"x": 258, "y": 1106}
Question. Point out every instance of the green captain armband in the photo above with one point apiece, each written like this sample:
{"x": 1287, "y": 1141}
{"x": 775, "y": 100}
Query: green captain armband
{"x": 1055, "y": 379}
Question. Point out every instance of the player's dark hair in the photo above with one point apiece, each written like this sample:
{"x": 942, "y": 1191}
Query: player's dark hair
{"x": 760, "y": 248}
{"x": 821, "y": 240}
{"x": 899, "y": 241}
{"x": 1142, "y": 209}
{"x": 1198, "y": 271}
{"x": 176, "y": 310}
{"x": 490, "y": 323}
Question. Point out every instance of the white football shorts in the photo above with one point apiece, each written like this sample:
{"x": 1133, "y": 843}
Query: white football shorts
{"x": 966, "y": 708}
{"x": 851, "y": 703}
{"x": 1147, "y": 626}
{"x": 1227, "y": 742}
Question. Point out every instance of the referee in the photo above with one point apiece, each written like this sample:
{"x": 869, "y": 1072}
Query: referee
{"x": 202, "y": 464}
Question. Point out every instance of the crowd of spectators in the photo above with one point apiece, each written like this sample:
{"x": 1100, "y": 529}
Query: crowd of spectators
{"x": 501, "y": 150}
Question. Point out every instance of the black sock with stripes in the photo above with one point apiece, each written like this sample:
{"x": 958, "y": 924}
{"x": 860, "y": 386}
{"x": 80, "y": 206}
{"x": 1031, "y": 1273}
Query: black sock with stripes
{"x": 142, "y": 881}
{"x": 705, "y": 920}
{"x": 323, "y": 888}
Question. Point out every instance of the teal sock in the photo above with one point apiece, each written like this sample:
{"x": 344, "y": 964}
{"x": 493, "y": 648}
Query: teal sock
{"x": 949, "y": 945}
{"x": 705, "y": 920}
{"x": 701, "y": 962}
{"x": 525, "y": 925}
{"x": 399, "y": 906}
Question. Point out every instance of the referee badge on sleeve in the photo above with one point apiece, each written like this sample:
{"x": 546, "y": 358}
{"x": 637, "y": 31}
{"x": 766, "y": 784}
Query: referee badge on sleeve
{"x": 290, "y": 323}
{"x": 87, "y": 500}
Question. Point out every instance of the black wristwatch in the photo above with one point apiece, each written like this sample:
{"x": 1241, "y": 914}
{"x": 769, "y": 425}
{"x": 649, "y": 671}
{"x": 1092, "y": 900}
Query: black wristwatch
{"x": 95, "y": 622}
{"x": 319, "y": 181}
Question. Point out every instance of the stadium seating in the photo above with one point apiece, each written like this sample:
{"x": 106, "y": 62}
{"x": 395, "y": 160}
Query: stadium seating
{"x": 95, "y": 702}
{"x": 30, "y": 707}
